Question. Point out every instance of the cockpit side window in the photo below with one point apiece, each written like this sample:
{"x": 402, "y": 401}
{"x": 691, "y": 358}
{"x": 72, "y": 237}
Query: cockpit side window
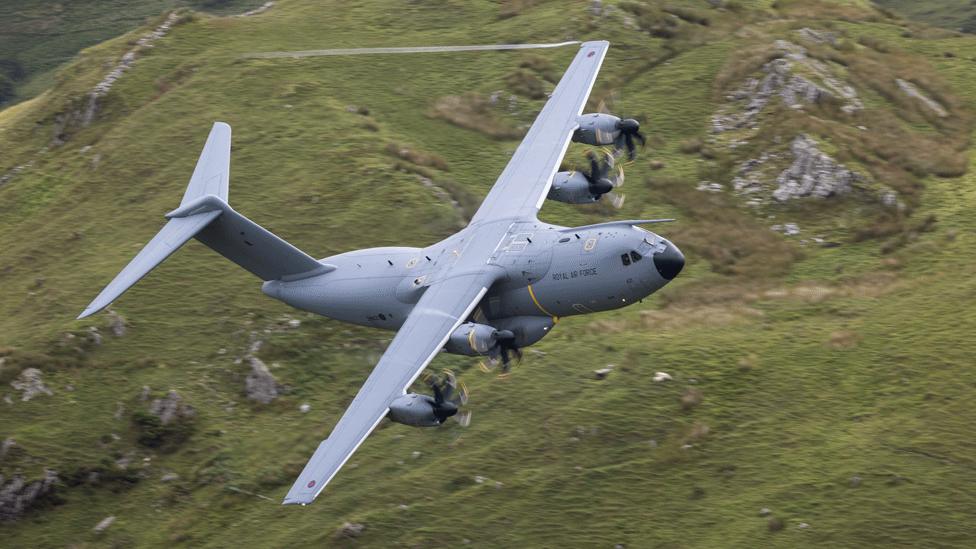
{"x": 625, "y": 258}
{"x": 635, "y": 256}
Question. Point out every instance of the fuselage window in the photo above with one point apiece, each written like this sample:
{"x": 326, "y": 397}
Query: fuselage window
{"x": 635, "y": 256}
{"x": 625, "y": 258}
{"x": 561, "y": 240}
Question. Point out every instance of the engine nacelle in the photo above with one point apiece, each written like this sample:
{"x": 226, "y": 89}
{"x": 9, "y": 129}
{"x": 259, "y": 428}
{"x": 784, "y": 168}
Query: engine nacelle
{"x": 571, "y": 188}
{"x": 527, "y": 329}
{"x": 413, "y": 409}
{"x": 472, "y": 339}
{"x": 597, "y": 129}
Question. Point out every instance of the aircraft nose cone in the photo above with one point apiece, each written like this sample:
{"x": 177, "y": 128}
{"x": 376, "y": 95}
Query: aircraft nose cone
{"x": 669, "y": 262}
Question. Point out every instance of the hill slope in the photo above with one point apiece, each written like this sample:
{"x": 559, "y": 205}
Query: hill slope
{"x": 823, "y": 375}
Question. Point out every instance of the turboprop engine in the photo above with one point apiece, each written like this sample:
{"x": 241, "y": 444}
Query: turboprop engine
{"x": 430, "y": 411}
{"x": 582, "y": 187}
{"x": 475, "y": 339}
{"x": 606, "y": 129}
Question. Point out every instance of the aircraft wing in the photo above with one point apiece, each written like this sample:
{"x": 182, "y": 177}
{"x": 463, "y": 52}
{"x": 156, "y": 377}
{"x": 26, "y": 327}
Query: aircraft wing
{"x": 523, "y": 186}
{"x": 442, "y": 308}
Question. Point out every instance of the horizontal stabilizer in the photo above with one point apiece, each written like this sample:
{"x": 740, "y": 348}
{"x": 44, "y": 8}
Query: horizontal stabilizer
{"x": 173, "y": 235}
{"x": 205, "y": 214}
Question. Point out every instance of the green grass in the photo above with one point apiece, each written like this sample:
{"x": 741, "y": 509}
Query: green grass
{"x": 840, "y": 363}
{"x": 38, "y": 37}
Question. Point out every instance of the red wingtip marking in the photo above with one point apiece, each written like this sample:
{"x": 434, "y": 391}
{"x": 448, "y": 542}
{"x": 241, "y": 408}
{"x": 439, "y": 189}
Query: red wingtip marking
{"x": 311, "y": 484}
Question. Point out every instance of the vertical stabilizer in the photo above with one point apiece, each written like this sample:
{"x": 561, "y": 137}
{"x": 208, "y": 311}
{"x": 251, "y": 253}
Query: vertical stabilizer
{"x": 212, "y": 174}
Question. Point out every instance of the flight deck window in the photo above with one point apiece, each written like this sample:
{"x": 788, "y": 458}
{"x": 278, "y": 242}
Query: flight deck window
{"x": 625, "y": 258}
{"x": 635, "y": 256}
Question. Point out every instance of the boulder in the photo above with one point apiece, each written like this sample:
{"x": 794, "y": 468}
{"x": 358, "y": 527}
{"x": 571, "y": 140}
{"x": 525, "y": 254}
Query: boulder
{"x": 30, "y": 384}
{"x": 171, "y": 408}
{"x": 260, "y": 385}
{"x": 351, "y": 530}
{"x": 661, "y": 377}
{"x": 17, "y": 496}
{"x": 812, "y": 173}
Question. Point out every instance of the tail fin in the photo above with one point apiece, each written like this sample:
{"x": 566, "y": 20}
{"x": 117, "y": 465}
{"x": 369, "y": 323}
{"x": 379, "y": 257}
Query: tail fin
{"x": 205, "y": 214}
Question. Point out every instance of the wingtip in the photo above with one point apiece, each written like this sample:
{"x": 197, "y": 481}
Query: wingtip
{"x": 86, "y": 313}
{"x": 296, "y": 501}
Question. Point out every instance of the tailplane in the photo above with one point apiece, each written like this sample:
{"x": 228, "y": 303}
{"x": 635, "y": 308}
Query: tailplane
{"x": 205, "y": 214}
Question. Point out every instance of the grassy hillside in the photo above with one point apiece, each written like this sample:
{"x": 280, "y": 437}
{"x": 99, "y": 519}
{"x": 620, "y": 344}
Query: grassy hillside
{"x": 37, "y": 37}
{"x": 951, "y": 14}
{"x": 823, "y": 376}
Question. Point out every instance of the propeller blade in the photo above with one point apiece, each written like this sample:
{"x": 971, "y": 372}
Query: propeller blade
{"x": 450, "y": 384}
{"x": 463, "y": 418}
{"x": 616, "y": 200}
{"x": 629, "y": 140}
{"x": 438, "y": 396}
{"x": 640, "y": 137}
{"x": 593, "y": 176}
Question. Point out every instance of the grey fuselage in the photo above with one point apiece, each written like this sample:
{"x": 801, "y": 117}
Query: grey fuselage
{"x": 549, "y": 272}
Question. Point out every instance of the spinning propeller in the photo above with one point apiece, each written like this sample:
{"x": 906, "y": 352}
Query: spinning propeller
{"x": 449, "y": 397}
{"x": 600, "y": 180}
{"x": 629, "y": 129}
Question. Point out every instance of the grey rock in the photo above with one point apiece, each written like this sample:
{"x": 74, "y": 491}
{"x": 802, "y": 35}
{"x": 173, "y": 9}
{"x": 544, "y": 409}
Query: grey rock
{"x": 788, "y": 229}
{"x": 602, "y": 373}
{"x": 765, "y": 512}
{"x": 779, "y": 79}
{"x": 17, "y": 496}
{"x": 812, "y": 173}
{"x": 116, "y": 323}
{"x": 30, "y": 384}
{"x": 304, "y": 408}
{"x": 351, "y": 530}
{"x": 260, "y": 385}
{"x": 171, "y": 408}
{"x": 855, "y": 481}
{"x": 169, "y": 477}
{"x": 6, "y": 445}
{"x": 818, "y": 36}
{"x": 911, "y": 91}
{"x": 103, "y": 524}
{"x": 660, "y": 377}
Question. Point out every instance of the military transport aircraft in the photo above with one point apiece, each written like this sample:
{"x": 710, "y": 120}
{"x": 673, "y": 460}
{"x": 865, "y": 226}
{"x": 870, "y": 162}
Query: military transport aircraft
{"x": 496, "y": 286}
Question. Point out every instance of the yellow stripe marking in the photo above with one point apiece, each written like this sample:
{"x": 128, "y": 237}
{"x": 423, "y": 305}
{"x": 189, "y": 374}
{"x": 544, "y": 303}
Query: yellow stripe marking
{"x": 541, "y": 308}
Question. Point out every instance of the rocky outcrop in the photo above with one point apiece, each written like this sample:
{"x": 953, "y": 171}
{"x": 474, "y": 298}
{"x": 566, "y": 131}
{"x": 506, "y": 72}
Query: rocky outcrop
{"x": 17, "y": 496}
{"x": 13, "y": 172}
{"x": 911, "y": 91}
{"x": 171, "y": 408}
{"x": 796, "y": 78}
{"x": 812, "y": 173}
{"x": 103, "y": 87}
{"x": 30, "y": 384}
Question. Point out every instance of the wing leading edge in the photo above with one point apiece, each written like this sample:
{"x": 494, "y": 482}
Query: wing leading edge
{"x": 444, "y": 306}
{"x": 521, "y": 189}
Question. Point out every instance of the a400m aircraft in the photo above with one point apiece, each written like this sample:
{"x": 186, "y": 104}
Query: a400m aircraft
{"x": 498, "y": 285}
